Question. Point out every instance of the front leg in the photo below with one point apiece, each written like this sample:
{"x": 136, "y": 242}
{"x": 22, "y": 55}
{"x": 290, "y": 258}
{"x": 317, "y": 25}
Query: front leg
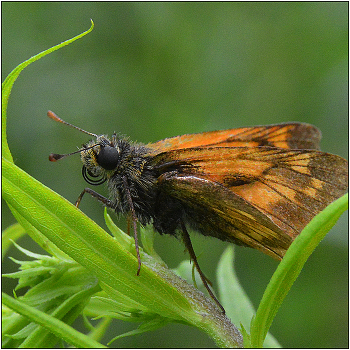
{"x": 108, "y": 203}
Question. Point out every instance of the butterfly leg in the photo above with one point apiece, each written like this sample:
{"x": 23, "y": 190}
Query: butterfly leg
{"x": 108, "y": 203}
{"x": 134, "y": 221}
{"x": 189, "y": 247}
{"x": 96, "y": 195}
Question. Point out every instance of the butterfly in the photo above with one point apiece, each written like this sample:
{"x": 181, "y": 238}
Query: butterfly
{"x": 253, "y": 186}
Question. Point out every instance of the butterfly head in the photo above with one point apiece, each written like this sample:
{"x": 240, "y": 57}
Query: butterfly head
{"x": 100, "y": 157}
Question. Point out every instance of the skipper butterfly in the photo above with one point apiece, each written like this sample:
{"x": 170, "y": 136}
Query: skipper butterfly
{"x": 255, "y": 186}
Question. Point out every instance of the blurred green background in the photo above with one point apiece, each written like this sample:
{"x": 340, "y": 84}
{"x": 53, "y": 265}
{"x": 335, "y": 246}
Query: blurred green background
{"x": 155, "y": 70}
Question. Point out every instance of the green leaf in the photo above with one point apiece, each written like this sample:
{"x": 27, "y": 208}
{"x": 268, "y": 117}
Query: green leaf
{"x": 290, "y": 267}
{"x": 58, "y": 288}
{"x": 128, "y": 242}
{"x": 123, "y": 239}
{"x": 10, "y": 235}
{"x": 10, "y": 80}
{"x": 99, "y": 331}
{"x": 147, "y": 326}
{"x": 187, "y": 271}
{"x": 156, "y": 289}
{"x": 234, "y": 299}
{"x": 54, "y": 325}
{"x": 86, "y": 242}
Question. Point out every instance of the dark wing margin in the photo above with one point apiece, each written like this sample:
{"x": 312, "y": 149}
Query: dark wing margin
{"x": 287, "y": 136}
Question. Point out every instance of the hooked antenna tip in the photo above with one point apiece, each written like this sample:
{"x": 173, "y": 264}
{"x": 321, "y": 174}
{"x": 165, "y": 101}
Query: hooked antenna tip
{"x": 53, "y": 116}
{"x": 54, "y": 157}
{"x": 56, "y": 118}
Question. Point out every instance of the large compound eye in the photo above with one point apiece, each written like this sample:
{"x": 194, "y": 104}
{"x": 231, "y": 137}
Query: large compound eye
{"x": 91, "y": 178}
{"x": 108, "y": 157}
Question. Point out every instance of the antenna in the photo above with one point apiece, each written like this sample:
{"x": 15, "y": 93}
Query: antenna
{"x": 56, "y": 118}
{"x": 54, "y": 157}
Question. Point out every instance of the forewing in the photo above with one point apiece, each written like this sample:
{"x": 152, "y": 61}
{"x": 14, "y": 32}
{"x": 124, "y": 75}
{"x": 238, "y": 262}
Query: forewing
{"x": 288, "y": 136}
{"x": 288, "y": 186}
{"x": 216, "y": 211}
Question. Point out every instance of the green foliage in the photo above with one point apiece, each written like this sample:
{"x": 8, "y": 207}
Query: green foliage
{"x": 59, "y": 291}
{"x": 291, "y": 266}
{"x": 93, "y": 273}
{"x": 157, "y": 296}
{"x": 10, "y": 234}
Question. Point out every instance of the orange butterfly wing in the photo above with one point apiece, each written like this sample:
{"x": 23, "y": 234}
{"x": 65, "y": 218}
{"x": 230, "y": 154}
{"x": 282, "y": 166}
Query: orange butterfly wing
{"x": 289, "y": 136}
{"x": 286, "y": 188}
